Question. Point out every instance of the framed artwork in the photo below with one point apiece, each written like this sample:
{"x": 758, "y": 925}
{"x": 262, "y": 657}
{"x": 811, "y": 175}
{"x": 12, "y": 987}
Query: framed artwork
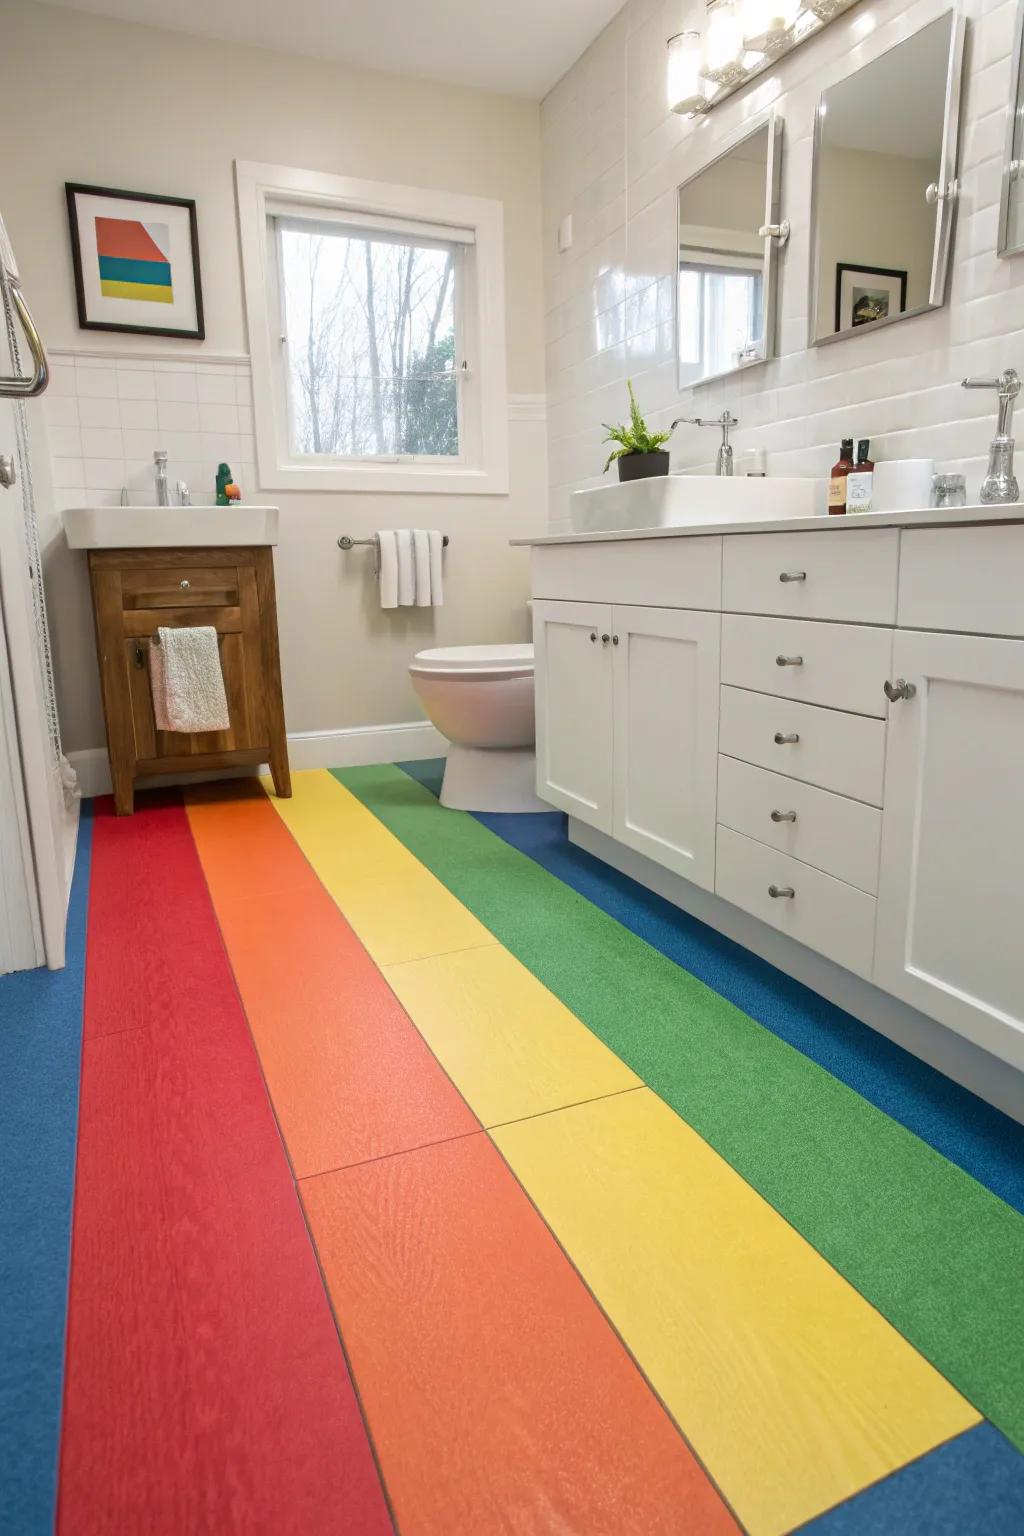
{"x": 136, "y": 260}
{"x": 867, "y": 294}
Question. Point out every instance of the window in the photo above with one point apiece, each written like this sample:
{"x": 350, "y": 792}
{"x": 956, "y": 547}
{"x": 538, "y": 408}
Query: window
{"x": 377, "y": 334}
{"x": 720, "y": 317}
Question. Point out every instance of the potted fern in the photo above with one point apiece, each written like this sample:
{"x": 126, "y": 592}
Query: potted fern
{"x": 640, "y": 452}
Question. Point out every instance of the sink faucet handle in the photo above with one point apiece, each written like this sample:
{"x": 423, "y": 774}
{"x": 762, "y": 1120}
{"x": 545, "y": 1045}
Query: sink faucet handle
{"x": 1007, "y": 383}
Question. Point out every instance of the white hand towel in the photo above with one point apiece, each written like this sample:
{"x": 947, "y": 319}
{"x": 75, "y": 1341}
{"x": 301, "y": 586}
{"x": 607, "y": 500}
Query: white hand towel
{"x": 421, "y": 566}
{"x": 406, "y": 585}
{"x": 436, "y": 540}
{"x": 388, "y": 568}
{"x": 187, "y": 681}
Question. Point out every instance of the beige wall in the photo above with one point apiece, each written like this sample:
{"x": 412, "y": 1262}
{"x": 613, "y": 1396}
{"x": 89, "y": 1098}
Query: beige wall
{"x": 158, "y": 111}
{"x": 871, "y": 208}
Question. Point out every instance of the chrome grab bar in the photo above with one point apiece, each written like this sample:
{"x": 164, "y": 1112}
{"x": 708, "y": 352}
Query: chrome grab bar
{"x": 23, "y": 389}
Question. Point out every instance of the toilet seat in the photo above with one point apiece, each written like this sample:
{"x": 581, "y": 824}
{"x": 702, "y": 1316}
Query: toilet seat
{"x": 475, "y": 662}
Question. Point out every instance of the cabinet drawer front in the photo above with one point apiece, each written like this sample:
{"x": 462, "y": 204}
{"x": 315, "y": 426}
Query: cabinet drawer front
{"x": 963, "y": 578}
{"x": 837, "y": 751}
{"x": 180, "y": 587}
{"x": 660, "y": 573}
{"x": 823, "y": 913}
{"x": 833, "y": 574}
{"x": 835, "y": 834}
{"x": 840, "y": 665}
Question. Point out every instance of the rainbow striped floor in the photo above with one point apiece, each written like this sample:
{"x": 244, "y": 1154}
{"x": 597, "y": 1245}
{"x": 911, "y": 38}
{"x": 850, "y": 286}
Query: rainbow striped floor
{"x": 430, "y": 1177}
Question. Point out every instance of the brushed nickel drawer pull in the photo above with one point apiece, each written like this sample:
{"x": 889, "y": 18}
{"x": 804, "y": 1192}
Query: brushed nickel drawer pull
{"x": 185, "y": 585}
{"x": 789, "y": 661}
{"x": 785, "y": 739}
{"x": 776, "y": 891}
{"x": 593, "y": 634}
{"x": 605, "y": 639}
{"x": 783, "y": 815}
{"x": 900, "y": 689}
{"x": 792, "y": 575}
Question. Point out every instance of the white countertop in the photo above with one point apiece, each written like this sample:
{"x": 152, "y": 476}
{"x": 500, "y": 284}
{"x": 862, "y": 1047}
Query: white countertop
{"x": 928, "y": 517}
{"x": 169, "y": 527}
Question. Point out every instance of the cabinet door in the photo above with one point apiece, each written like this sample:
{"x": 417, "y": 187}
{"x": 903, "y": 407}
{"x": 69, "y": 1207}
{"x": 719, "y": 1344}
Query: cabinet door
{"x": 666, "y": 664}
{"x": 572, "y": 643}
{"x": 949, "y": 899}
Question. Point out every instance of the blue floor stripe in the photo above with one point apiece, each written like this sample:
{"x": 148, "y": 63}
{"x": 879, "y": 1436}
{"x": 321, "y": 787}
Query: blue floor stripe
{"x": 40, "y": 1056}
{"x": 972, "y": 1483}
{"x": 984, "y": 1142}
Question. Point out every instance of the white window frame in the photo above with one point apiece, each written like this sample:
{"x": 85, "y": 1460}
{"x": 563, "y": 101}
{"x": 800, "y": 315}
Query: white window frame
{"x": 481, "y": 467}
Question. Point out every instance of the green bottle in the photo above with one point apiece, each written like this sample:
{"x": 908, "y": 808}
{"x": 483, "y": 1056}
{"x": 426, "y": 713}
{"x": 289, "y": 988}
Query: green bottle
{"x": 223, "y": 481}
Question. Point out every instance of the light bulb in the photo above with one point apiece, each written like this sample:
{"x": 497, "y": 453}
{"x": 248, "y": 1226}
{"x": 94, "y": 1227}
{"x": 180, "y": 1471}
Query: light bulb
{"x": 766, "y": 23}
{"x": 685, "y": 86}
{"x": 724, "y": 48}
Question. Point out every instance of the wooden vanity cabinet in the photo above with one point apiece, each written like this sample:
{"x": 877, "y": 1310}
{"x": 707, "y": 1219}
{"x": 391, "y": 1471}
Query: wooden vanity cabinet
{"x": 134, "y": 591}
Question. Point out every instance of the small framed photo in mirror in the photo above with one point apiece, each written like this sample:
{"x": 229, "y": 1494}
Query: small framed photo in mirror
{"x": 136, "y": 262}
{"x": 865, "y": 295}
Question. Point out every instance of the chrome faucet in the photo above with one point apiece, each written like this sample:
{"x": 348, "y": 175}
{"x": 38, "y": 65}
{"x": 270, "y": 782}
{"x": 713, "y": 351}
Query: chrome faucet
{"x": 723, "y": 463}
{"x": 163, "y": 494}
{"x": 1000, "y": 483}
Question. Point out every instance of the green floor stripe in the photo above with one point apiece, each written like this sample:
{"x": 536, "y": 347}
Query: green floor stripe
{"x": 938, "y": 1254}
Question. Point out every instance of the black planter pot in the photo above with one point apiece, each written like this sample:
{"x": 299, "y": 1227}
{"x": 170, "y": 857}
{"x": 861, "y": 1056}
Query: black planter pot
{"x": 639, "y": 466}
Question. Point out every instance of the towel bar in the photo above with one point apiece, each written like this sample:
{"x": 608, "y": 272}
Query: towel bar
{"x": 347, "y": 542}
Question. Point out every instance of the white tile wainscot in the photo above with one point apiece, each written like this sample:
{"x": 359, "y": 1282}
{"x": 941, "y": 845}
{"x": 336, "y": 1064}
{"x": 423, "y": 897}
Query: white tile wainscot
{"x": 825, "y": 769}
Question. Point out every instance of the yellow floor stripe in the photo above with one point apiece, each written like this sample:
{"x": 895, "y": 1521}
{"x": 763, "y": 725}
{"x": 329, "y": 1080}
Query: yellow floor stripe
{"x": 793, "y": 1390}
{"x": 510, "y": 1047}
{"x": 397, "y": 907}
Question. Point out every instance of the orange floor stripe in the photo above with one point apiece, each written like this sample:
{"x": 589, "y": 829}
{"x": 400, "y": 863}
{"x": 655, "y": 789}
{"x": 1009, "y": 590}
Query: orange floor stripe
{"x": 349, "y": 1075}
{"x": 498, "y": 1396}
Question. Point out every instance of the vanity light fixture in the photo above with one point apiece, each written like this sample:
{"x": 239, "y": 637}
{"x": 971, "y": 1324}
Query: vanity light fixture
{"x": 742, "y": 39}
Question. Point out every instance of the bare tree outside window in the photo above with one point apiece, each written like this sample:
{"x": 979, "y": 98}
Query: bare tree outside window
{"x": 370, "y": 322}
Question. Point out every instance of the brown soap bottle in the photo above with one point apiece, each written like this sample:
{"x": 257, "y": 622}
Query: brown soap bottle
{"x": 837, "y": 479}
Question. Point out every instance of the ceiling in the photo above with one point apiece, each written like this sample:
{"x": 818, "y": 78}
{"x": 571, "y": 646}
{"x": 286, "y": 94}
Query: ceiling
{"x": 521, "y": 47}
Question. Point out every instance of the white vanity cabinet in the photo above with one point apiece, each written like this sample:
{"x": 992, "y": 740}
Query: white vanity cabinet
{"x": 727, "y": 706}
{"x": 627, "y": 725}
{"x": 950, "y": 930}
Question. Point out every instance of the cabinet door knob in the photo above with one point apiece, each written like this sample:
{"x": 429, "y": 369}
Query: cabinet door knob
{"x": 775, "y": 891}
{"x": 786, "y": 738}
{"x": 783, "y": 815}
{"x": 593, "y": 634}
{"x": 789, "y": 661}
{"x": 792, "y": 575}
{"x": 615, "y": 639}
{"x": 605, "y": 639}
{"x": 900, "y": 689}
{"x": 185, "y": 585}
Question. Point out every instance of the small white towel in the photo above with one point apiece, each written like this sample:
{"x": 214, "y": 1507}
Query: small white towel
{"x": 436, "y": 542}
{"x": 406, "y": 583}
{"x": 388, "y": 546}
{"x": 421, "y": 566}
{"x": 187, "y": 681}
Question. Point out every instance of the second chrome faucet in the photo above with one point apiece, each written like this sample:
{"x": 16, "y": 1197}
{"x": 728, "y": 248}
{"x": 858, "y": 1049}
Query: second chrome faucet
{"x": 725, "y": 423}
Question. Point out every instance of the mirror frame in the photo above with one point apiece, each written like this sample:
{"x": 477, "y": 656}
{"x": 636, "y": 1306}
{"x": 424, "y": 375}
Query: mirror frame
{"x": 773, "y": 121}
{"x": 945, "y": 211}
{"x": 1015, "y": 107}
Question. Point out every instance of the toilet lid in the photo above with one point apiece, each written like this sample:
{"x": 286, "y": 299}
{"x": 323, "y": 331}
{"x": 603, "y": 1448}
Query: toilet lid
{"x": 476, "y": 658}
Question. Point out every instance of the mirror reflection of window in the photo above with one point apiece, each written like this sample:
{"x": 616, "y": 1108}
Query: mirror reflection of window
{"x": 879, "y": 149}
{"x": 721, "y": 281}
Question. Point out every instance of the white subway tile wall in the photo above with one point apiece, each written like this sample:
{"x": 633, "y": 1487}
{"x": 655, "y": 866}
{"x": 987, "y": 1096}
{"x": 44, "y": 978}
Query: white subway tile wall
{"x": 613, "y": 157}
{"x": 106, "y": 417}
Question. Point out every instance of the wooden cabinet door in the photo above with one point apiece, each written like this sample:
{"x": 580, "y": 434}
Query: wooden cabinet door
{"x": 948, "y": 938}
{"x": 666, "y": 687}
{"x": 573, "y": 677}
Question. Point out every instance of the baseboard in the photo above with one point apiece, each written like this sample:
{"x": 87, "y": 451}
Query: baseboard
{"x": 353, "y": 747}
{"x": 949, "y": 1053}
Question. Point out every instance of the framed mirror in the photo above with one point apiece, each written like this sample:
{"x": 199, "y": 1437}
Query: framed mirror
{"x": 726, "y": 274}
{"x": 1011, "y": 202}
{"x": 883, "y": 199}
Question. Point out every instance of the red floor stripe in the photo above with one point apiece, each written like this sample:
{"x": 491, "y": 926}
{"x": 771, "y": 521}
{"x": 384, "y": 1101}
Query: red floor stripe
{"x": 206, "y": 1391}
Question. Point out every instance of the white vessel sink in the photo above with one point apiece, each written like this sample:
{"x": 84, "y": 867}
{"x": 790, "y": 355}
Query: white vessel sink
{"x": 168, "y": 527}
{"x": 673, "y": 501}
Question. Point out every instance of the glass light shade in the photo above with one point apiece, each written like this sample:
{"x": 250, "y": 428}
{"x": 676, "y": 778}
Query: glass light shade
{"x": 685, "y": 86}
{"x": 724, "y": 46}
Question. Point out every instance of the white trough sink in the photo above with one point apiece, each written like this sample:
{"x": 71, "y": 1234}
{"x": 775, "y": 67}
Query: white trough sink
{"x": 168, "y": 527}
{"x": 674, "y": 501}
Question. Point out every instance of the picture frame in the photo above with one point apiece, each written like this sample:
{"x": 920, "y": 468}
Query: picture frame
{"x": 866, "y": 294}
{"x": 136, "y": 262}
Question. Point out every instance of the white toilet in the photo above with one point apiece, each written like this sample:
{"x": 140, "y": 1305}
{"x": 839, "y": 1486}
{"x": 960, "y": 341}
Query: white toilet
{"x": 481, "y": 698}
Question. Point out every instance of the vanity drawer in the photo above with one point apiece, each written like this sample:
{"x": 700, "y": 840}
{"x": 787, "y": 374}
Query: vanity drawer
{"x": 645, "y": 573}
{"x": 833, "y": 750}
{"x": 835, "y": 834}
{"x": 824, "y": 913}
{"x": 833, "y": 573}
{"x": 841, "y": 665}
{"x": 963, "y": 578}
{"x": 180, "y": 587}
